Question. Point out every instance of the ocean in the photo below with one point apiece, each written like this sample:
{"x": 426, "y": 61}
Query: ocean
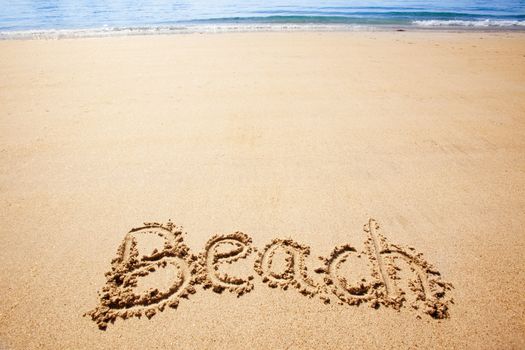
{"x": 97, "y": 17}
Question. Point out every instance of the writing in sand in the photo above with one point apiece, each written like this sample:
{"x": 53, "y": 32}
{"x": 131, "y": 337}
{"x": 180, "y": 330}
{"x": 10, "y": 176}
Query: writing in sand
{"x": 389, "y": 274}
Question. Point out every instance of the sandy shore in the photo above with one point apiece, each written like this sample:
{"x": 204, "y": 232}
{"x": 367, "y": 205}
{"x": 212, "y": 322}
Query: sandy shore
{"x": 286, "y": 135}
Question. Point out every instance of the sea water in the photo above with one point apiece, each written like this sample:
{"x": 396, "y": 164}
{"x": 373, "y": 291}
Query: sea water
{"x": 113, "y": 17}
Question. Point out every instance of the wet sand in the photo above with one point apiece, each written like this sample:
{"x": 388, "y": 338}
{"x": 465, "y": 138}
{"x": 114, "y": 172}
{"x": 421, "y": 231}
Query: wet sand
{"x": 296, "y": 140}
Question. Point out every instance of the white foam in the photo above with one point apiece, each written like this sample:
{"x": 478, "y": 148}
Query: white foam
{"x": 462, "y": 23}
{"x": 181, "y": 29}
{"x": 107, "y": 31}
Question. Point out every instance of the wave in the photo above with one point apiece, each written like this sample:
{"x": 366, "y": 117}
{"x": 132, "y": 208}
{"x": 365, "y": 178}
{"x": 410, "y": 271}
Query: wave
{"x": 378, "y": 18}
{"x": 179, "y": 29}
{"x": 483, "y": 23}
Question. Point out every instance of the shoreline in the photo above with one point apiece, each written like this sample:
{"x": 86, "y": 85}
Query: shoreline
{"x": 50, "y": 34}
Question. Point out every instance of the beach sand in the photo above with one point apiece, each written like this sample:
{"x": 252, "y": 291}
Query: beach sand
{"x": 302, "y": 136}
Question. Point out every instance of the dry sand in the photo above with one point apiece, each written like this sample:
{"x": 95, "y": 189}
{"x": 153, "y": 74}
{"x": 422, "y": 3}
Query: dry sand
{"x": 295, "y": 139}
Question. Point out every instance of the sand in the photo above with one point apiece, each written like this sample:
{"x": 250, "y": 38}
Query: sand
{"x": 263, "y": 190}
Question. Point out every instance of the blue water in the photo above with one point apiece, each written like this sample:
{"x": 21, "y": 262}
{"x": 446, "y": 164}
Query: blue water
{"x": 155, "y": 15}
